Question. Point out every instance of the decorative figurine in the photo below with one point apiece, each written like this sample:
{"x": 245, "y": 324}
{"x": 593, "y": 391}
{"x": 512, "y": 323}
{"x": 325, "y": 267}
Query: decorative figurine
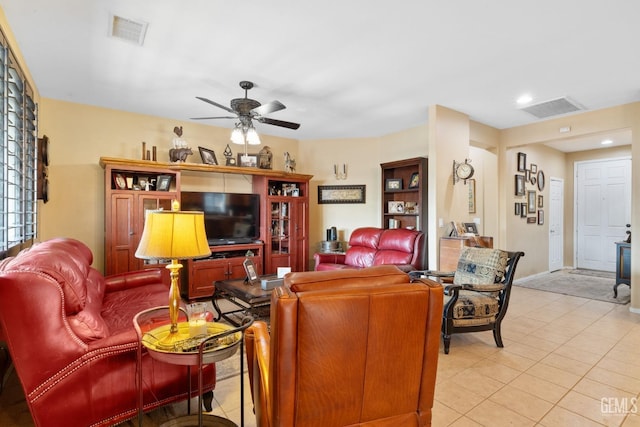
{"x": 180, "y": 149}
{"x": 229, "y": 156}
{"x": 265, "y": 157}
{"x": 289, "y": 163}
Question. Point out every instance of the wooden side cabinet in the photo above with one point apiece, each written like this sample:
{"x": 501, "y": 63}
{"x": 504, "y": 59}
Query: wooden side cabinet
{"x": 226, "y": 262}
{"x": 623, "y": 266}
{"x": 450, "y": 248}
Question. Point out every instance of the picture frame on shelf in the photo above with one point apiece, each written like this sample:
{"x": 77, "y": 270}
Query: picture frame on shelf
{"x": 163, "y": 183}
{"x": 208, "y": 156}
{"x": 522, "y": 162}
{"x": 414, "y": 181}
{"x": 470, "y": 227}
{"x": 393, "y": 184}
{"x": 411, "y": 208}
{"x": 248, "y": 161}
{"x": 519, "y": 185}
{"x": 120, "y": 181}
{"x": 395, "y": 207}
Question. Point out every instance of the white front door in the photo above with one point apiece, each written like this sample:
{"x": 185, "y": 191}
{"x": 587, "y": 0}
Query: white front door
{"x": 556, "y": 226}
{"x": 603, "y": 208}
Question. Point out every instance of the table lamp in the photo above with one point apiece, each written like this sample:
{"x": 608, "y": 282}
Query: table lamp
{"x": 173, "y": 235}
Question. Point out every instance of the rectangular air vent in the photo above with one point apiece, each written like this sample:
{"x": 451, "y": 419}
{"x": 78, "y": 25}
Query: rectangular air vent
{"x": 128, "y": 29}
{"x": 554, "y": 107}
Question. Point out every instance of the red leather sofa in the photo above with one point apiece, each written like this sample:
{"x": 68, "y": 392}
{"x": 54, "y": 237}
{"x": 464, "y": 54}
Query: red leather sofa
{"x": 369, "y": 246}
{"x": 71, "y": 337}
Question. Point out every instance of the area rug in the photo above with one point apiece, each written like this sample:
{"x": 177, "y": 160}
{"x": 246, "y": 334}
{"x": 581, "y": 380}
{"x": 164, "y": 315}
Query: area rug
{"x": 579, "y": 285}
{"x": 594, "y": 273}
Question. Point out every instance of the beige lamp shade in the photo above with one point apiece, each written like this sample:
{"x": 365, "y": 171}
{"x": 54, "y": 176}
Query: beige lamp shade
{"x": 173, "y": 235}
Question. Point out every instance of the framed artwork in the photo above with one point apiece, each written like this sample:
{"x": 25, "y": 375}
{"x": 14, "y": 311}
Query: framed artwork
{"x": 523, "y": 210}
{"x": 392, "y": 184}
{"x": 120, "y": 181}
{"x": 540, "y": 201}
{"x": 540, "y": 217}
{"x": 533, "y": 168}
{"x": 522, "y": 162}
{"x": 470, "y": 227}
{"x": 250, "y": 269}
{"x": 472, "y": 195}
{"x": 540, "y": 180}
{"x": 248, "y": 161}
{"x": 414, "y": 182}
{"x": 395, "y": 207}
{"x": 341, "y": 194}
{"x": 519, "y": 185}
{"x": 163, "y": 183}
{"x": 532, "y": 220}
{"x": 208, "y": 156}
{"x": 531, "y": 201}
{"x": 517, "y": 209}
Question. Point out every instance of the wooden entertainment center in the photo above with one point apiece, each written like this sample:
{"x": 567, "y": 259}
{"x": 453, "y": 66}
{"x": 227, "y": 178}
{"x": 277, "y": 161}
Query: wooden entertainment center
{"x": 284, "y": 220}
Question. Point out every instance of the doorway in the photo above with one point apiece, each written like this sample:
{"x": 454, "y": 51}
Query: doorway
{"x": 556, "y": 224}
{"x": 602, "y": 210}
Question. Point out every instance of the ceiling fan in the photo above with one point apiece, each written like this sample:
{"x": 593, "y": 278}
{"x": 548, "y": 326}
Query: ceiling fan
{"x": 247, "y": 109}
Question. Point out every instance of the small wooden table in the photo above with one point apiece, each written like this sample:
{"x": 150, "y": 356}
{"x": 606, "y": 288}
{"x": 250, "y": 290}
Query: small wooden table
{"x": 247, "y": 297}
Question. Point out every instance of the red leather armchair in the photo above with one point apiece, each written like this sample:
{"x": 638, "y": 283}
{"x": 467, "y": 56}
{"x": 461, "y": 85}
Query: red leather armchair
{"x": 347, "y": 348}
{"x": 369, "y": 246}
{"x": 70, "y": 334}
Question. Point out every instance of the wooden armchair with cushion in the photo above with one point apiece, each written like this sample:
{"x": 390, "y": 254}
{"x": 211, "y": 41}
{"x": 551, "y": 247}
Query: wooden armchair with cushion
{"x": 347, "y": 348}
{"x": 479, "y": 296}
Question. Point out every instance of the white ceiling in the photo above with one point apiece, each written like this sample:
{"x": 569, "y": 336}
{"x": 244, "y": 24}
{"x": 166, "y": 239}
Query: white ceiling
{"x": 343, "y": 68}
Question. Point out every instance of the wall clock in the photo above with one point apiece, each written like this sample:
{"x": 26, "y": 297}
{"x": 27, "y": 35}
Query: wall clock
{"x": 462, "y": 171}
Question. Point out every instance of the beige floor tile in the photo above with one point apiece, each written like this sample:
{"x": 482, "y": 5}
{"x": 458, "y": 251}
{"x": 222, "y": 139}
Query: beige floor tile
{"x": 554, "y": 375}
{"x": 590, "y": 408}
{"x": 479, "y": 384}
{"x": 493, "y": 369}
{"x": 567, "y": 364}
{"x": 613, "y": 365}
{"x": 613, "y": 379}
{"x": 527, "y": 351}
{"x": 513, "y": 360}
{"x": 456, "y": 397}
{"x": 560, "y": 417}
{"x": 443, "y": 415}
{"x": 578, "y": 354}
{"x": 463, "y": 422}
{"x": 632, "y": 420}
{"x": 592, "y": 343}
{"x": 539, "y": 387}
{"x": 522, "y": 402}
{"x": 492, "y": 414}
{"x": 598, "y": 390}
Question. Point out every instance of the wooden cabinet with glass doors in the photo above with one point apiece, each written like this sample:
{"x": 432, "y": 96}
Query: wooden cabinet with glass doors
{"x": 285, "y": 222}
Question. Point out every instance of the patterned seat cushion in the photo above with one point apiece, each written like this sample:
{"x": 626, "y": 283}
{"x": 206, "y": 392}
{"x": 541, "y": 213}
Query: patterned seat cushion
{"x": 480, "y": 266}
{"x": 474, "y": 308}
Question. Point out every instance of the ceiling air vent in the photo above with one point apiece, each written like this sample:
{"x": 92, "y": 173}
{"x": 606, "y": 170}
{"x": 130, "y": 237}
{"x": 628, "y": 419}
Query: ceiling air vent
{"x": 554, "y": 107}
{"x": 128, "y": 29}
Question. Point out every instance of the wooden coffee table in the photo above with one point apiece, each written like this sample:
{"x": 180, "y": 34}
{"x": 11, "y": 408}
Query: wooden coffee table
{"x": 246, "y": 297}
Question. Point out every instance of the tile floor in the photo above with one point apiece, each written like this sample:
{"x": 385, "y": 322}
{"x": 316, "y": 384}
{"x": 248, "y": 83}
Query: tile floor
{"x": 567, "y": 361}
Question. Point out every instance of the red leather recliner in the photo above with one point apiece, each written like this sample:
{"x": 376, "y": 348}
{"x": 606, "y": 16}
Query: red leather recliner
{"x": 70, "y": 334}
{"x": 369, "y": 246}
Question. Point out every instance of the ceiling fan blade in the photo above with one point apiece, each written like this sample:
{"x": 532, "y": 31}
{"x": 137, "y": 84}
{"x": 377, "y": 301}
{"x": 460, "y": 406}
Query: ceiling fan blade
{"x": 216, "y": 104}
{"x": 219, "y": 117}
{"x": 281, "y": 123}
{"x": 269, "y": 108}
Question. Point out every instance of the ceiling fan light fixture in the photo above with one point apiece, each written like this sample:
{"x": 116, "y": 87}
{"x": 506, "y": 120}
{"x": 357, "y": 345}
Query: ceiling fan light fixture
{"x": 252, "y": 136}
{"x": 237, "y": 136}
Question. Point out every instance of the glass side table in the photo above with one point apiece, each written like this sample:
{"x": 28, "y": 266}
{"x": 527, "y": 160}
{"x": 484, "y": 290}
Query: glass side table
{"x": 220, "y": 342}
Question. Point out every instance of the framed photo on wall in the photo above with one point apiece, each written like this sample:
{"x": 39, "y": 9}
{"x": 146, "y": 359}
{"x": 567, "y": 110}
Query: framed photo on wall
{"x": 519, "y": 185}
{"x": 531, "y": 201}
{"x": 522, "y": 162}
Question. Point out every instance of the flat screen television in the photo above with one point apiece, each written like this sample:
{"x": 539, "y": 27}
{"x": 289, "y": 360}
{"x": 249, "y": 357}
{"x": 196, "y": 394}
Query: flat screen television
{"x": 229, "y": 218}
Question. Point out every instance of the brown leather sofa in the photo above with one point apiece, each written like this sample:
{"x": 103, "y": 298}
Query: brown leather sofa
{"x": 369, "y": 246}
{"x": 71, "y": 337}
{"x": 347, "y": 348}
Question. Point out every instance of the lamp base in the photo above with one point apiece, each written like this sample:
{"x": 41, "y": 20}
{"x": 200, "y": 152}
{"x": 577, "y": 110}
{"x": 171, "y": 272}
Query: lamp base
{"x": 168, "y": 343}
